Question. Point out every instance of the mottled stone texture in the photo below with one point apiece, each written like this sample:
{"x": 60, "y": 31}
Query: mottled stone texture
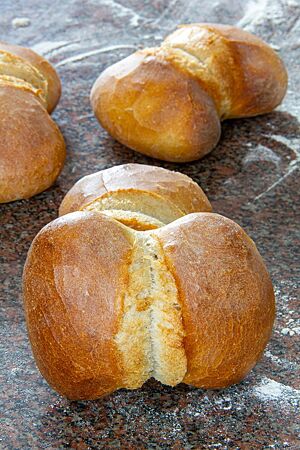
{"x": 251, "y": 177}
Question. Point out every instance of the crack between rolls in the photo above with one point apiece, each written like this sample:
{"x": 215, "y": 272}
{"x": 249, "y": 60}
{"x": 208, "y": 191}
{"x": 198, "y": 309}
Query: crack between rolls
{"x": 151, "y": 334}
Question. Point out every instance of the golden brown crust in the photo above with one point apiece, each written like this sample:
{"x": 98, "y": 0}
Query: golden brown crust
{"x": 176, "y": 187}
{"x": 227, "y": 297}
{"x": 151, "y": 107}
{"x": 32, "y": 149}
{"x": 241, "y": 73}
{"x": 41, "y": 64}
{"x": 109, "y": 307}
{"x": 72, "y": 288}
{"x": 166, "y": 102}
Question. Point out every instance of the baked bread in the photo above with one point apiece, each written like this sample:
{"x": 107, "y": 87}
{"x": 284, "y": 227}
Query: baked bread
{"x": 32, "y": 149}
{"x": 110, "y": 304}
{"x": 165, "y": 185}
{"x": 167, "y": 102}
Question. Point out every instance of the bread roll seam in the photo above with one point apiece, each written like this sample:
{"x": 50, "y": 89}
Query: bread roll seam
{"x": 151, "y": 333}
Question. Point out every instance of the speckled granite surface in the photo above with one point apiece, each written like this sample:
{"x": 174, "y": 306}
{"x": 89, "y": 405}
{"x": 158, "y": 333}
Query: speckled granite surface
{"x": 251, "y": 177}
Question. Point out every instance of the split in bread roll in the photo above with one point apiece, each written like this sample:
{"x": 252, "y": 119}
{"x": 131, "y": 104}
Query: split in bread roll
{"x": 114, "y": 297}
{"x": 167, "y": 102}
{"x": 170, "y": 187}
{"x": 32, "y": 149}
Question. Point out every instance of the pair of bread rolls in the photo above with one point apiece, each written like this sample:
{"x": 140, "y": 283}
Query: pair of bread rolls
{"x": 32, "y": 149}
{"x": 167, "y": 102}
{"x": 138, "y": 279}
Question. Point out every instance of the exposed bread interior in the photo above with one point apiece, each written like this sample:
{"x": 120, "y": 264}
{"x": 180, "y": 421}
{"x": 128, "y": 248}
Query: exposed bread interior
{"x": 6, "y": 80}
{"x": 151, "y": 330}
{"x": 45, "y": 69}
{"x": 136, "y": 221}
{"x": 15, "y": 70}
{"x": 176, "y": 187}
{"x": 148, "y": 203}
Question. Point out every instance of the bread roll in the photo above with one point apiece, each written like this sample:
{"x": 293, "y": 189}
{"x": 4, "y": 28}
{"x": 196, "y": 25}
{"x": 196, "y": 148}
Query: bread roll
{"x": 110, "y": 304}
{"x": 167, "y": 102}
{"x": 32, "y": 149}
{"x": 175, "y": 187}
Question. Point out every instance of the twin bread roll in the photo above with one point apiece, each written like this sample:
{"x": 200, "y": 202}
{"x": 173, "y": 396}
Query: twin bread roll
{"x": 138, "y": 279}
{"x": 32, "y": 149}
{"x": 167, "y": 102}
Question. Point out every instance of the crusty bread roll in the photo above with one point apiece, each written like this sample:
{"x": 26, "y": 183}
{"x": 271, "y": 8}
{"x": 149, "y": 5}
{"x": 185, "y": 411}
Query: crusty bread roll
{"x": 180, "y": 190}
{"x": 167, "y": 102}
{"x": 114, "y": 297}
{"x": 32, "y": 149}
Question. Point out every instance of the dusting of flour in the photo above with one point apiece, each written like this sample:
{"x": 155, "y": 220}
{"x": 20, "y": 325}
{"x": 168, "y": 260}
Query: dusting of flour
{"x": 270, "y": 390}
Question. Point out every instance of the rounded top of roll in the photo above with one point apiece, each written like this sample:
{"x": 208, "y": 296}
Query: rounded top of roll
{"x": 177, "y": 188}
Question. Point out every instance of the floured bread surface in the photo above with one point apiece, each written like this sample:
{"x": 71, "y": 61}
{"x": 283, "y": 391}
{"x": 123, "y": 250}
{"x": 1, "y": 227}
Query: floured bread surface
{"x": 151, "y": 333}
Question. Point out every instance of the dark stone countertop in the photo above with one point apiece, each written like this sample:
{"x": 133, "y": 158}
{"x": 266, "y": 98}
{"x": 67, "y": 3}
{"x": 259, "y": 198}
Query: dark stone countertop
{"x": 252, "y": 177}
